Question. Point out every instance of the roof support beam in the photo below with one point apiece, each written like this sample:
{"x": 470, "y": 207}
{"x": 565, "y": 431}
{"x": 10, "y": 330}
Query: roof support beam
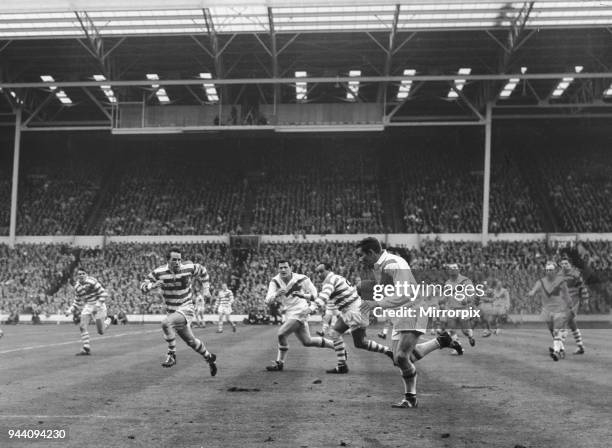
{"x": 310, "y": 79}
{"x": 94, "y": 43}
{"x": 97, "y": 103}
{"x": 38, "y": 109}
{"x": 389, "y": 52}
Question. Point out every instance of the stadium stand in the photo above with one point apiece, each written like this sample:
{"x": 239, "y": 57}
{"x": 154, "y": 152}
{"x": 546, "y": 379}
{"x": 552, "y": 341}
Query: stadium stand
{"x": 40, "y": 274}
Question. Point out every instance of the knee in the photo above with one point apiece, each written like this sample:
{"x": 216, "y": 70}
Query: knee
{"x": 360, "y": 342}
{"x": 334, "y": 334}
{"x": 165, "y": 324}
{"x": 191, "y": 342}
{"x": 83, "y": 328}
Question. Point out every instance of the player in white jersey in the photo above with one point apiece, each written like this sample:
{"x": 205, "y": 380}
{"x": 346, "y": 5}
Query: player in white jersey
{"x": 200, "y": 309}
{"x": 555, "y": 306}
{"x": 494, "y": 307}
{"x": 295, "y": 292}
{"x": 225, "y": 298}
{"x": 175, "y": 280}
{"x": 89, "y": 301}
{"x": 390, "y": 269}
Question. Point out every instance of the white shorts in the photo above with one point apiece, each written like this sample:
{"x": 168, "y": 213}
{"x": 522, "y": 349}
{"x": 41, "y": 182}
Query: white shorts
{"x": 416, "y": 324}
{"x": 300, "y": 314}
{"x": 188, "y": 310}
{"x": 224, "y": 310}
{"x": 92, "y": 309}
{"x": 352, "y": 317}
{"x": 200, "y": 310}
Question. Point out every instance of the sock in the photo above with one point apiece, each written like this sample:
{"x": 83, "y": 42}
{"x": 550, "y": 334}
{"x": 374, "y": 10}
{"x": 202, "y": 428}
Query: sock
{"x": 282, "y": 353}
{"x": 171, "y": 340}
{"x": 469, "y": 333}
{"x": 385, "y": 330}
{"x": 577, "y": 337}
{"x": 425, "y": 348}
{"x": 409, "y": 380}
{"x": 85, "y": 339}
{"x": 322, "y": 342}
{"x": 201, "y": 349}
{"x": 220, "y": 325}
{"x": 372, "y": 346}
{"x": 557, "y": 344}
{"x": 107, "y": 322}
{"x": 340, "y": 351}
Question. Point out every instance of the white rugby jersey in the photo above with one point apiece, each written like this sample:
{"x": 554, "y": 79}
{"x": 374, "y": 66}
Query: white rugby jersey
{"x": 297, "y": 283}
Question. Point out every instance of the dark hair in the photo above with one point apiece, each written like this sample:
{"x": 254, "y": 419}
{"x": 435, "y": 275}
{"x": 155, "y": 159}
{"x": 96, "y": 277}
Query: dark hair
{"x": 326, "y": 265}
{"x": 81, "y": 270}
{"x": 281, "y": 261}
{"x": 173, "y": 249}
{"x": 370, "y": 244}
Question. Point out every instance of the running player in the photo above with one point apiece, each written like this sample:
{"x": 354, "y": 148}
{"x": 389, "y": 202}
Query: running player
{"x": 338, "y": 291}
{"x": 555, "y": 306}
{"x": 388, "y": 270}
{"x": 200, "y": 309}
{"x": 494, "y": 307}
{"x": 90, "y": 303}
{"x": 175, "y": 280}
{"x": 577, "y": 292}
{"x": 459, "y": 301}
{"x": 225, "y": 298}
{"x": 294, "y": 291}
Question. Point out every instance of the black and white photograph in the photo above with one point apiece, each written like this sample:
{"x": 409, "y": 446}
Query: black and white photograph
{"x": 305, "y": 224}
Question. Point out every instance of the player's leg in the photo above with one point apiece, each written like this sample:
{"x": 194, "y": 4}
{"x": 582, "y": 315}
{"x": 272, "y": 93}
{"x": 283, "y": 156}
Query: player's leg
{"x": 221, "y": 314}
{"x": 336, "y": 332}
{"x": 360, "y": 341}
{"x": 558, "y": 321}
{"x": 325, "y": 323}
{"x": 86, "y": 317}
{"x": 184, "y": 331}
{"x": 168, "y": 324}
{"x": 573, "y": 326}
{"x": 467, "y": 328}
{"x": 402, "y": 351}
{"x": 229, "y": 320}
{"x": 385, "y": 330}
{"x": 103, "y": 321}
{"x": 290, "y": 326}
{"x": 303, "y": 335}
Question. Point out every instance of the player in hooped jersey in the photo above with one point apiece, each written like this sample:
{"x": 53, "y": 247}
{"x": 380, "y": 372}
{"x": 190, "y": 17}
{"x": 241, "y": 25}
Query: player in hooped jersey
{"x": 175, "y": 280}
{"x": 337, "y": 290}
{"x": 388, "y": 270}
{"x": 458, "y": 302}
{"x": 577, "y": 292}
{"x": 295, "y": 292}
{"x": 90, "y": 300}
{"x": 225, "y": 298}
{"x": 555, "y": 306}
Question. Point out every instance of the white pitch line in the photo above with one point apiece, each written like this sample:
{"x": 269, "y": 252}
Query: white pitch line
{"x": 57, "y": 344}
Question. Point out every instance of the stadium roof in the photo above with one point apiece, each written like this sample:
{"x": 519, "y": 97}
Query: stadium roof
{"x": 252, "y": 49}
{"x": 57, "y": 19}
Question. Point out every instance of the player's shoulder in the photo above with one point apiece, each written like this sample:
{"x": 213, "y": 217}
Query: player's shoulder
{"x": 394, "y": 262}
{"x": 162, "y": 269}
{"x": 90, "y": 280}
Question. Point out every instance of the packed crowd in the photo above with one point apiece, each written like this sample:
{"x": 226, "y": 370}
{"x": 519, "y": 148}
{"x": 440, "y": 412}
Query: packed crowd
{"x": 580, "y": 188}
{"x": 174, "y": 193}
{"x": 56, "y": 193}
{"x": 442, "y": 192}
{"x": 310, "y": 190}
{"x": 39, "y": 276}
{"x": 309, "y": 186}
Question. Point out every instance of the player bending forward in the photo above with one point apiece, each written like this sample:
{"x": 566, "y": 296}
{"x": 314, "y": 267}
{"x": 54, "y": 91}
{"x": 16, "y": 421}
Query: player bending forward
{"x": 555, "y": 306}
{"x": 225, "y": 298}
{"x": 388, "y": 270}
{"x": 294, "y": 291}
{"x": 175, "y": 280}
{"x": 90, "y": 302}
